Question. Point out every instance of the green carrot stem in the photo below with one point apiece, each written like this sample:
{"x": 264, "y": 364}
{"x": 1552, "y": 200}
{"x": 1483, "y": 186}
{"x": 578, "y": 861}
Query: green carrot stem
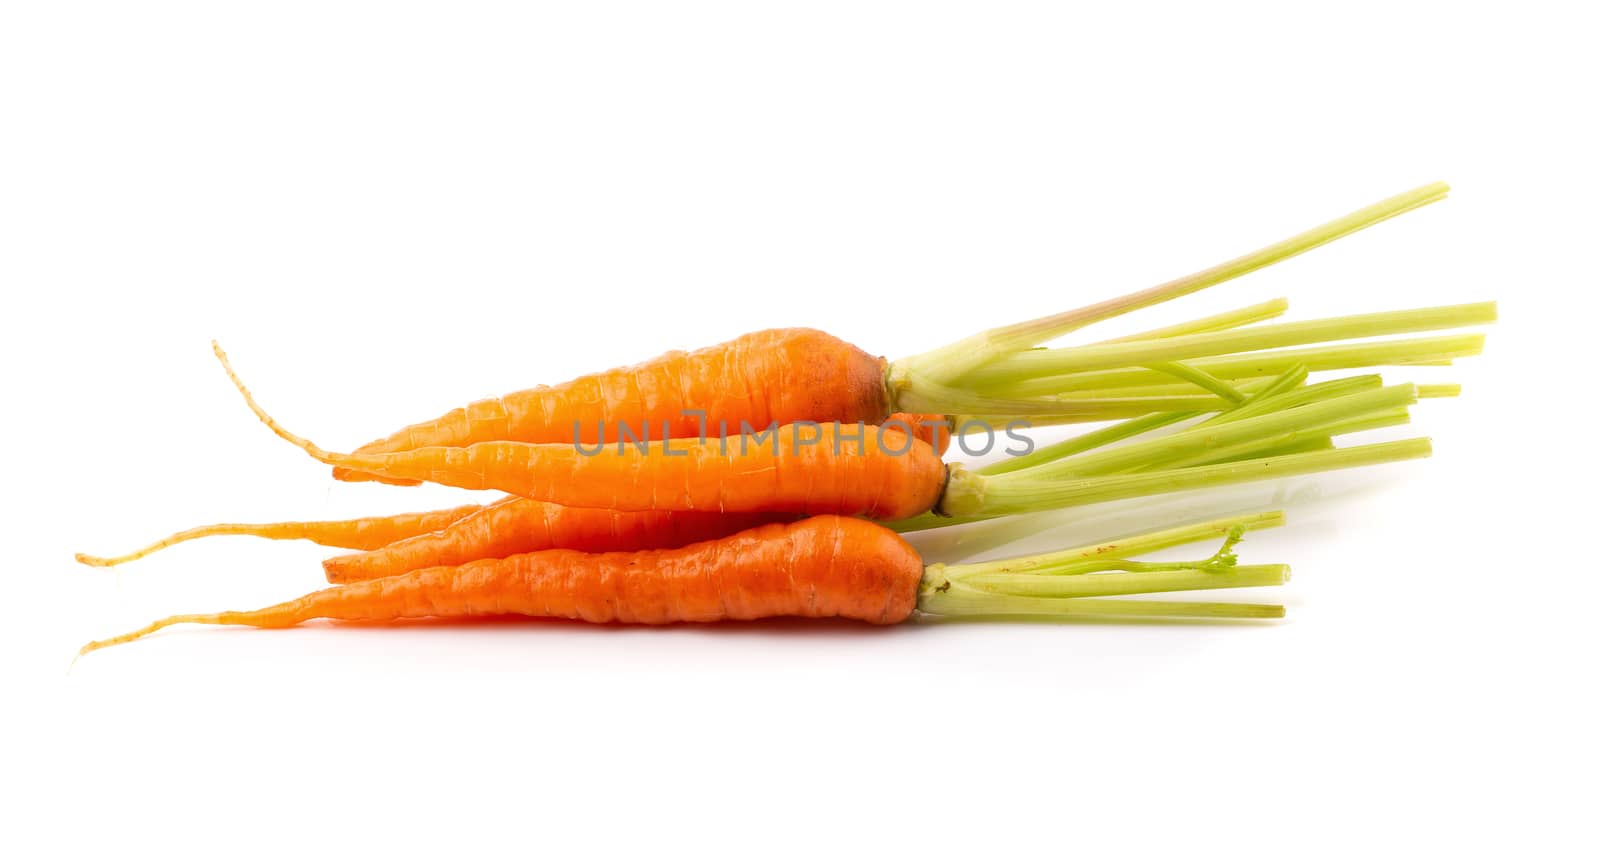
{"x": 1262, "y": 400}
{"x": 966, "y": 602}
{"x": 1298, "y": 447}
{"x": 1086, "y": 442}
{"x": 1248, "y": 385}
{"x": 966, "y": 402}
{"x": 1217, "y": 322}
{"x": 1130, "y": 546}
{"x": 1202, "y": 439}
{"x": 947, "y": 363}
{"x": 1293, "y": 442}
{"x": 1125, "y": 430}
{"x": 1435, "y": 349}
{"x": 1126, "y": 583}
{"x": 1079, "y": 359}
{"x": 1199, "y": 377}
{"x": 969, "y": 494}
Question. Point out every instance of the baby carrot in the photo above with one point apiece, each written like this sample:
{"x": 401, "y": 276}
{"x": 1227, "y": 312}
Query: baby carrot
{"x": 518, "y": 526}
{"x": 826, "y": 566}
{"x": 360, "y": 533}
{"x": 498, "y": 530}
{"x": 934, "y": 429}
{"x": 796, "y": 374}
{"x": 882, "y": 472}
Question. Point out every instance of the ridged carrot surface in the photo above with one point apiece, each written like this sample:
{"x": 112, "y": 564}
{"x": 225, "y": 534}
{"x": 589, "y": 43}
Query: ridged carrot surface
{"x": 519, "y": 526}
{"x": 497, "y": 530}
{"x": 835, "y": 475}
{"x": 779, "y": 375}
{"x": 827, "y": 566}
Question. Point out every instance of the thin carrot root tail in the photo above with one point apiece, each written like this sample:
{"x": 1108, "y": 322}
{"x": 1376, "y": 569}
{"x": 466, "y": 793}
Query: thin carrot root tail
{"x": 167, "y": 542}
{"x": 305, "y": 445}
{"x": 275, "y": 617}
{"x": 163, "y": 623}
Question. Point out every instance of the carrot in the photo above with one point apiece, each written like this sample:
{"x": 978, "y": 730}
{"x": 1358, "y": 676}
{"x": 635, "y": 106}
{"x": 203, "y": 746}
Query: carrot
{"x": 826, "y": 566}
{"x": 883, "y": 472}
{"x": 790, "y": 375}
{"x": 361, "y": 533}
{"x": 519, "y": 526}
{"x": 932, "y": 428}
{"x": 498, "y": 533}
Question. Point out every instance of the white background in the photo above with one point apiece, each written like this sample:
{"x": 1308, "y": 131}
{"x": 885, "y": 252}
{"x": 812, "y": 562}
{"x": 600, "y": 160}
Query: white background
{"x": 384, "y": 210}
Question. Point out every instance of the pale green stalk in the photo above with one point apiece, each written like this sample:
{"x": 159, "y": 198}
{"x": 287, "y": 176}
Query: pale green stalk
{"x": 1437, "y": 349}
{"x": 1217, "y": 322}
{"x": 1125, "y": 583}
{"x": 969, "y": 494}
{"x": 1174, "y": 388}
{"x": 965, "y": 602}
{"x": 1194, "y": 376}
{"x": 1079, "y": 359}
{"x": 946, "y": 364}
{"x": 1060, "y": 583}
{"x": 1130, "y": 546}
{"x": 1086, "y": 442}
{"x": 1202, "y": 439}
{"x": 1294, "y": 442}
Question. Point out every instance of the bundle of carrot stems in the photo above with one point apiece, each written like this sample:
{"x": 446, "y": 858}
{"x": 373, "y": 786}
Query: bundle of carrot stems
{"x": 775, "y": 474}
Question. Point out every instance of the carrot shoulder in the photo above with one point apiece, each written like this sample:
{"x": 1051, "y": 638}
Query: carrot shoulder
{"x": 519, "y": 526}
{"x": 827, "y": 566}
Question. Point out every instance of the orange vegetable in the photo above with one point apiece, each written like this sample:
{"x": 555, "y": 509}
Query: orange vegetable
{"x": 879, "y": 472}
{"x": 820, "y": 567}
{"x": 519, "y": 526}
{"x": 799, "y": 374}
{"x": 826, "y": 566}
{"x": 361, "y": 533}
{"x": 822, "y": 377}
{"x": 400, "y": 543}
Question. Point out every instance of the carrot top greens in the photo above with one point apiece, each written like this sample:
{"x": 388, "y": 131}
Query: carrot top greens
{"x": 1002, "y": 371}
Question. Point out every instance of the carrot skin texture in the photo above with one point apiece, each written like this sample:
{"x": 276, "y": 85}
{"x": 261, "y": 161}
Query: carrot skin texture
{"x": 827, "y": 566}
{"x": 516, "y": 525}
{"x": 778, "y": 375}
{"x": 519, "y": 526}
{"x": 886, "y": 474}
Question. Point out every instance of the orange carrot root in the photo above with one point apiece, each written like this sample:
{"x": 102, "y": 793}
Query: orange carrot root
{"x": 358, "y": 533}
{"x": 827, "y": 566}
{"x": 840, "y": 469}
{"x": 520, "y": 526}
{"x": 823, "y": 378}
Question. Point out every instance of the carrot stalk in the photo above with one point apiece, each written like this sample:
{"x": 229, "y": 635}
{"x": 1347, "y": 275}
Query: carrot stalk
{"x": 1287, "y": 381}
{"x": 1140, "y": 381}
{"x": 1215, "y": 322}
{"x": 948, "y": 363}
{"x": 1133, "y": 581}
{"x": 1013, "y": 498}
{"x": 1079, "y": 359}
{"x": 752, "y": 379}
{"x": 867, "y": 471}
